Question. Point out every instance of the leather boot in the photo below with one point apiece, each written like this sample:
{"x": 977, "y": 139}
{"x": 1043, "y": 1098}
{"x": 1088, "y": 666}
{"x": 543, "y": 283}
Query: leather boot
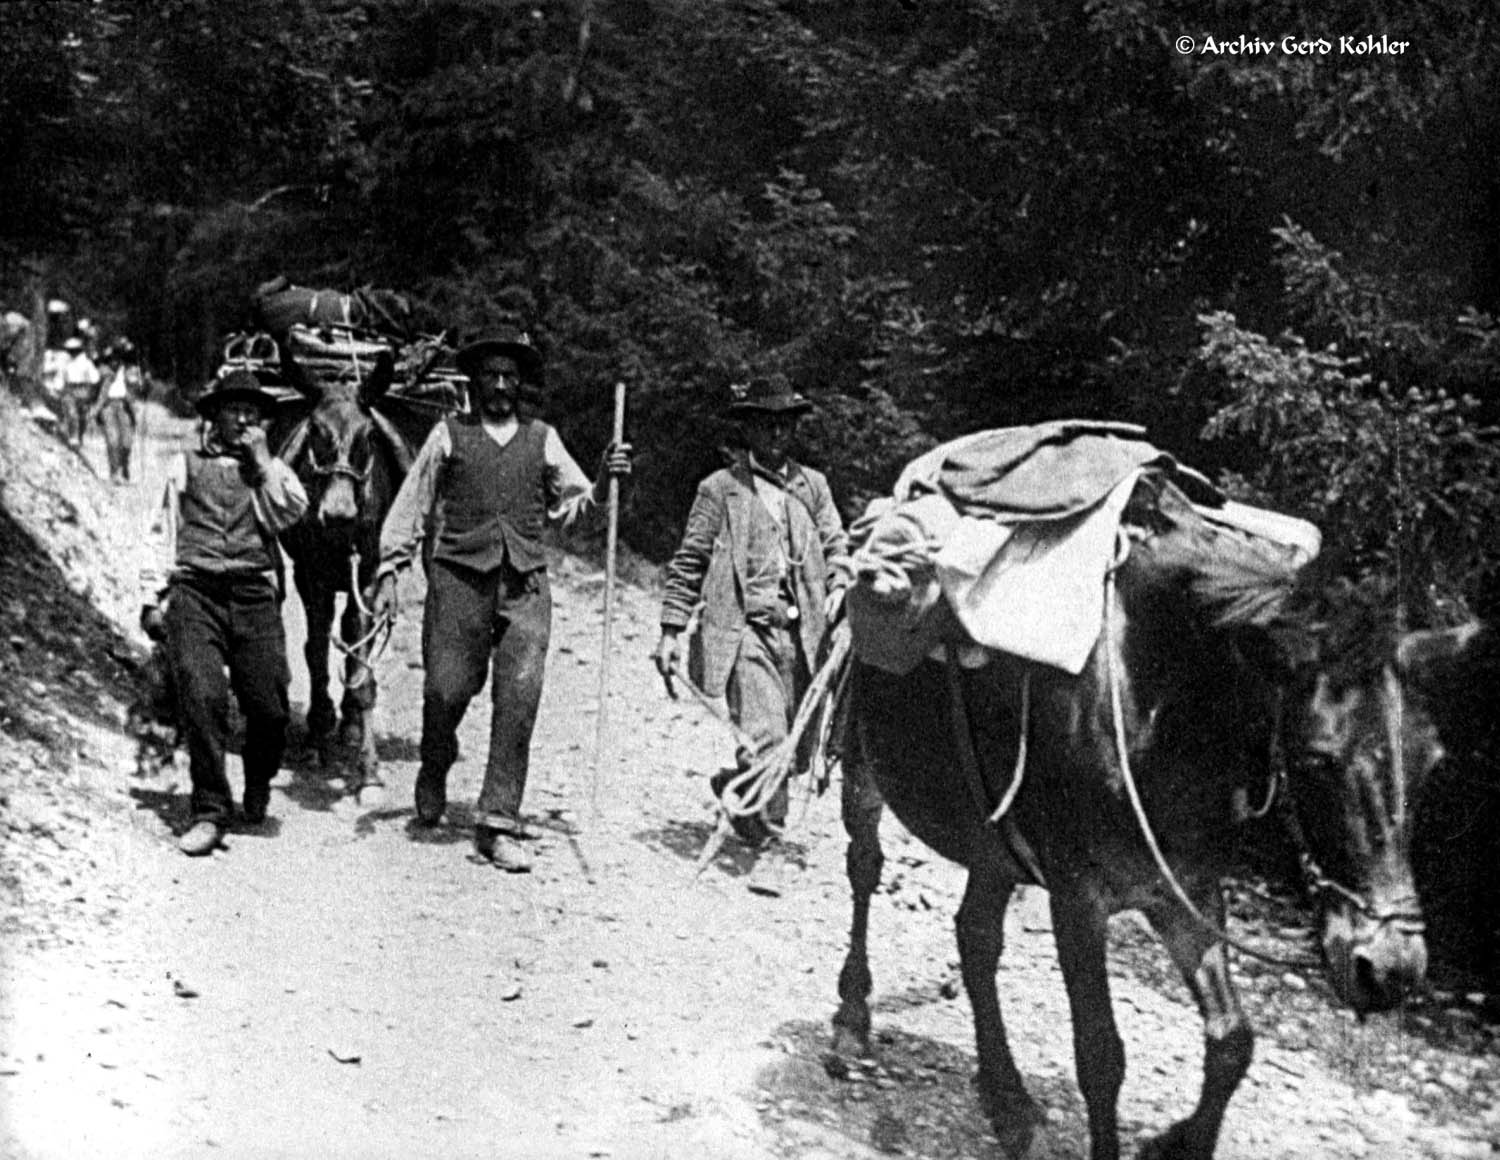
{"x": 202, "y": 838}
{"x": 257, "y": 798}
{"x": 502, "y": 849}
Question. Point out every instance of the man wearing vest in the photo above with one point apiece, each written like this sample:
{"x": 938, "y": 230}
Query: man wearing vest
{"x": 224, "y": 505}
{"x": 489, "y": 481}
{"x": 760, "y": 539}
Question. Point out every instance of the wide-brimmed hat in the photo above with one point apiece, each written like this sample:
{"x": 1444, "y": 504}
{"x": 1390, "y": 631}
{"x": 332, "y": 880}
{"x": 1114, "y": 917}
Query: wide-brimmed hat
{"x": 237, "y": 384}
{"x": 73, "y": 344}
{"x": 511, "y": 341}
{"x": 768, "y": 395}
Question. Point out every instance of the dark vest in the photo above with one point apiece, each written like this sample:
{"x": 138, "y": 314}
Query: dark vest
{"x": 492, "y": 500}
{"x": 217, "y": 532}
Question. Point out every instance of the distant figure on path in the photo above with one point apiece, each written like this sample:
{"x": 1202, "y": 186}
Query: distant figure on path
{"x": 80, "y": 379}
{"x": 114, "y": 408}
{"x": 16, "y": 349}
{"x": 760, "y": 539}
{"x": 224, "y": 504}
{"x": 490, "y": 481}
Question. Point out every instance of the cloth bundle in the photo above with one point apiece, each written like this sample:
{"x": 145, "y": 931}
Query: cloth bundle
{"x": 330, "y": 355}
{"x": 279, "y": 305}
{"x": 1001, "y": 541}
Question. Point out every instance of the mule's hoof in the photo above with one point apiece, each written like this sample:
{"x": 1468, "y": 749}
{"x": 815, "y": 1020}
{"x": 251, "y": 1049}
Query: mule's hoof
{"x": 1011, "y": 1110}
{"x": 848, "y": 1044}
{"x": 321, "y": 723}
{"x": 1176, "y": 1143}
{"x": 1024, "y": 1142}
{"x": 371, "y": 797}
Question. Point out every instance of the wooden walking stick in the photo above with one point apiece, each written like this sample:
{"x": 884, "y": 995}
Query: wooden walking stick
{"x": 610, "y": 544}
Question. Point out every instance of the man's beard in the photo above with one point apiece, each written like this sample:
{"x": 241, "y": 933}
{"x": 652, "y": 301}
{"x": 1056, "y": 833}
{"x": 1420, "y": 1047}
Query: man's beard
{"x": 498, "y": 405}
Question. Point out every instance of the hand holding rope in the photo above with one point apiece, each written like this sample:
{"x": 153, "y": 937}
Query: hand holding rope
{"x": 364, "y": 652}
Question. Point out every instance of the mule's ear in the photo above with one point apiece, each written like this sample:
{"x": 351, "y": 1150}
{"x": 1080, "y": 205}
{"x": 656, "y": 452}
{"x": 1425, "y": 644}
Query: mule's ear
{"x": 396, "y": 441}
{"x": 1435, "y": 653}
{"x": 378, "y": 381}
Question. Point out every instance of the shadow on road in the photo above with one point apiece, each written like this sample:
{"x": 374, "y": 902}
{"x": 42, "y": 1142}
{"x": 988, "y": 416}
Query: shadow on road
{"x": 915, "y": 1096}
{"x": 171, "y": 807}
{"x": 687, "y": 840}
{"x": 457, "y": 825}
{"x": 313, "y": 785}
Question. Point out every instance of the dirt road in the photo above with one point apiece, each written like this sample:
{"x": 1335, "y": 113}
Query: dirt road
{"x": 339, "y": 983}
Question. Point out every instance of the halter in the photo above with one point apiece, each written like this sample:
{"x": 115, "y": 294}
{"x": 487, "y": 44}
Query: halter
{"x": 1405, "y": 914}
{"x": 340, "y": 468}
{"x": 1318, "y": 883}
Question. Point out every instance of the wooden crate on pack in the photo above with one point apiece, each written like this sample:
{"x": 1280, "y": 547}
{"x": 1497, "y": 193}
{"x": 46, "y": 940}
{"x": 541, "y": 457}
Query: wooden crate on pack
{"x": 333, "y": 353}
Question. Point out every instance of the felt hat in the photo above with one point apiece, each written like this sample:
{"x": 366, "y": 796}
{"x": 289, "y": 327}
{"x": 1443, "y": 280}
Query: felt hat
{"x": 510, "y": 341}
{"x": 769, "y": 395}
{"x": 237, "y": 384}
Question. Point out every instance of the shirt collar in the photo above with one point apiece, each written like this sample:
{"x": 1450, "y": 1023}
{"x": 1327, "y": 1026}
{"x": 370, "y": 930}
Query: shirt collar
{"x": 500, "y": 426}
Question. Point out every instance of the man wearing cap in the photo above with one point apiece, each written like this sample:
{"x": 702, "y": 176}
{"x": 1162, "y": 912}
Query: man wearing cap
{"x": 760, "y": 539}
{"x": 490, "y": 481}
{"x": 225, "y": 502}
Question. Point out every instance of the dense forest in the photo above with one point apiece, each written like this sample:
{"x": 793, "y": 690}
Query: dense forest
{"x": 933, "y": 215}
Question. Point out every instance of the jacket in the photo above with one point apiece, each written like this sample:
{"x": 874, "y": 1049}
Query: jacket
{"x": 710, "y": 567}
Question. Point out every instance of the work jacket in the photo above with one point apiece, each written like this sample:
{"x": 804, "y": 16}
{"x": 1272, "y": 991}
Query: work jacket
{"x": 711, "y": 570}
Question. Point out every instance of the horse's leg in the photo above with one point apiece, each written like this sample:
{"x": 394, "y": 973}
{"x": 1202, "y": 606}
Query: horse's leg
{"x": 358, "y": 709}
{"x": 1079, "y": 924}
{"x": 862, "y": 808}
{"x": 1228, "y": 1040}
{"x": 317, "y": 602}
{"x": 981, "y": 940}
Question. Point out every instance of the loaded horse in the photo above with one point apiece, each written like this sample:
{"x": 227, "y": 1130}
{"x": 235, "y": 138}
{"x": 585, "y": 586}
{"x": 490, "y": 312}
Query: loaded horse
{"x": 1225, "y": 671}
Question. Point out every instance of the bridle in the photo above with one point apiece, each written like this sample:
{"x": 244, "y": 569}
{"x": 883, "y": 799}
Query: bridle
{"x": 1406, "y": 918}
{"x": 341, "y": 467}
{"x": 1405, "y": 914}
{"x": 363, "y": 652}
{"x": 295, "y": 449}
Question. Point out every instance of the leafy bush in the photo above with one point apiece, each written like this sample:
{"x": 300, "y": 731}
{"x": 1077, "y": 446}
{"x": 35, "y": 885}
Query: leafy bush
{"x": 1404, "y": 478}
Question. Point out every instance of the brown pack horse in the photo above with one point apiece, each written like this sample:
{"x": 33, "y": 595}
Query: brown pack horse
{"x": 351, "y": 459}
{"x": 1201, "y": 682}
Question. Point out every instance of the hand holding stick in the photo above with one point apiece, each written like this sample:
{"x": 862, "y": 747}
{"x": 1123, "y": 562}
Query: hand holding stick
{"x": 611, "y": 543}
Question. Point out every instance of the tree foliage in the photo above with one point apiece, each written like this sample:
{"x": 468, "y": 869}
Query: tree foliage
{"x": 1406, "y": 472}
{"x": 932, "y": 216}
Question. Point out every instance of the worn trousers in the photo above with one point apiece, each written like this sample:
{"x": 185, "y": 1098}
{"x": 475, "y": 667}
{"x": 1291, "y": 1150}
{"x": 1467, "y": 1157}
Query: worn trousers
{"x": 234, "y": 625}
{"x": 118, "y": 420}
{"x": 494, "y": 624}
{"x": 765, "y": 687}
